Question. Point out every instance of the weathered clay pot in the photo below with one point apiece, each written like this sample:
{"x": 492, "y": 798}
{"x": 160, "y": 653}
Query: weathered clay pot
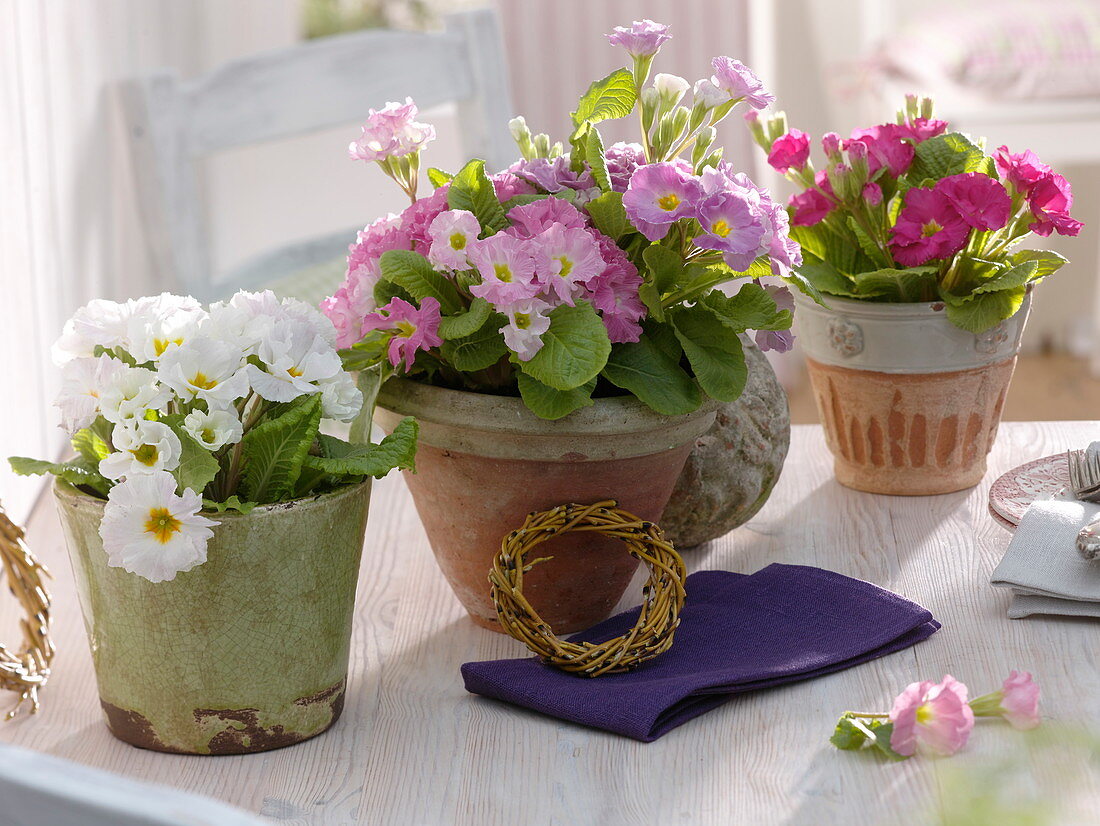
{"x": 733, "y": 466}
{"x": 910, "y": 403}
{"x": 246, "y": 652}
{"x": 484, "y": 462}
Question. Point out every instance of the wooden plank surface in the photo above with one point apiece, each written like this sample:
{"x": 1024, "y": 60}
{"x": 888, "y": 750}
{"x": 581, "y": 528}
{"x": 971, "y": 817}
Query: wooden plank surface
{"x": 414, "y": 747}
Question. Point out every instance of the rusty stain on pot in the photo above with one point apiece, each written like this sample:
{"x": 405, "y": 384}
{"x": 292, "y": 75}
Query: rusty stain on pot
{"x": 938, "y": 306}
{"x": 242, "y": 734}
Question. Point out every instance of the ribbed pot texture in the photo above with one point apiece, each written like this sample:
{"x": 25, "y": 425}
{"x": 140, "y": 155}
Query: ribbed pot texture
{"x": 244, "y": 653}
{"x": 484, "y": 462}
{"x": 909, "y": 402}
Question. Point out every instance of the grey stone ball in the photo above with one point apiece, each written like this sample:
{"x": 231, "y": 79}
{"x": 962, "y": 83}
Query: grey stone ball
{"x": 734, "y": 466}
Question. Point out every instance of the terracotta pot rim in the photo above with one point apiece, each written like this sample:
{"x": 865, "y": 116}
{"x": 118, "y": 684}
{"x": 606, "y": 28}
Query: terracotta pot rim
{"x": 65, "y": 490}
{"x": 481, "y": 424}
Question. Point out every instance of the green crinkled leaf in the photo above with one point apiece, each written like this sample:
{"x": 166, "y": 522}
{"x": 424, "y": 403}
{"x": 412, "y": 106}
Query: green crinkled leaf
{"x": 647, "y": 292}
{"x": 608, "y": 215}
{"x": 76, "y": 472}
{"x": 596, "y": 161}
{"x": 273, "y": 451}
{"x": 826, "y": 278}
{"x": 654, "y": 376}
{"x": 915, "y": 284}
{"x": 713, "y": 350}
{"x": 574, "y": 349}
{"x": 413, "y": 273}
{"x": 866, "y": 243}
{"x": 606, "y": 99}
{"x": 197, "y": 467}
{"x": 437, "y": 177}
{"x": 664, "y": 266}
{"x": 984, "y": 310}
{"x": 466, "y": 323}
{"x": 477, "y": 351}
{"x": 340, "y": 458}
{"x": 664, "y": 337}
{"x": 1017, "y": 276}
{"x": 752, "y": 308}
{"x": 855, "y": 734}
{"x": 1046, "y": 262}
{"x": 91, "y": 443}
{"x": 472, "y": 190}
{"x": 946, "y": 155}
{"x": 385, "y": 291}
{"x": 233, "y": 503}
{"x": 839, "y": 250}
{"x": 548, "y": 403}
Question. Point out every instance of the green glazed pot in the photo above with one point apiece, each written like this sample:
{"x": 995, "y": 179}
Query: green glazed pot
{"x": 244, "y": 653}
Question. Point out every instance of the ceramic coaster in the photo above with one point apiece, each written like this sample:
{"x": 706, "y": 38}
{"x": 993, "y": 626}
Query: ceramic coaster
{"x": 1012, "y": 492}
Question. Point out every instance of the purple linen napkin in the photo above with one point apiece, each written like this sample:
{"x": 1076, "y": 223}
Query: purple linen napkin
{"x": 737, "y": 633}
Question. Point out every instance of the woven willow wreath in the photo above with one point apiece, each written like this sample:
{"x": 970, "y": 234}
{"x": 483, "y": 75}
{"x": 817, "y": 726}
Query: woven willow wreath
{"x": 27, "y": 672}
{"x": 662, "y": 596}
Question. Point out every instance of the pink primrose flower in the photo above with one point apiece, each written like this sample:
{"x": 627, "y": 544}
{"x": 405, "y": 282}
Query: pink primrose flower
{"x": 658, "y": 195}
{"x": 507, "y": 269}
{"x": 528, "y": 220}
{"x": 982, "y": 201}
{"x": 790, "y": 151}
{"x": 642, "y": 39}
{"x": 414, "y": 328}
{"x": 931, "y": 718}
{"x": 565, "y": 259}
{"x": 391, "y": 132}
{"x": 928, "y": 227}
{"x": 739, "y": 81}
{"x": 451, "y": 233}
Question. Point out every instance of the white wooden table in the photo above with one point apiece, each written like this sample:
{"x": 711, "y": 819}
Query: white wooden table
{"x": 414, "y": 748}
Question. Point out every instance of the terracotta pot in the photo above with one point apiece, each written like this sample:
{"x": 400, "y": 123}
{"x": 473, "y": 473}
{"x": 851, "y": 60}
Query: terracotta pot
{"x": 484, "y": 462}
{"x": 246, "y": 652}
{"x": 910, "y": 403}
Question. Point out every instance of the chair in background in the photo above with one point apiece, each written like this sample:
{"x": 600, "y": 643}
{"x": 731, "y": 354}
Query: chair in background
{"x": 295, "y": 91}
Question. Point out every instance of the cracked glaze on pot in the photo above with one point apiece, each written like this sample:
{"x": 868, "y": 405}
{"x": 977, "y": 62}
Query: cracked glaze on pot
{"x": 484, "y": 462}
{"x": 246, "y": 652}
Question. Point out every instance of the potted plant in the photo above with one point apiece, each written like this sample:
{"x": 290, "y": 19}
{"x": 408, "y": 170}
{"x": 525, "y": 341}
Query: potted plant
{"x": 556, "y": 328}
{"x": 912, "y": 234}
{"x": 214, "y": 531}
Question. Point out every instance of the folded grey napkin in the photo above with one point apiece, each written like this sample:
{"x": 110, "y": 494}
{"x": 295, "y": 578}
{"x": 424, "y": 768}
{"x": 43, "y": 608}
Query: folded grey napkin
{"x": 1042, "y": 566}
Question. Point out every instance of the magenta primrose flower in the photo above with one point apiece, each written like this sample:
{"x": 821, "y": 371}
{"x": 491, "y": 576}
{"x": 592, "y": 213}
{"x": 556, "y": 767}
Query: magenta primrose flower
{"x": 643, "y": 39}
{"x": 981, "y": 201}
{"x": 1022, "y": 171}
{"x": 507, "y": 269}
{"x": 614, "y": 292}
{"x": 414, "y": 328}
{"x": 811, "y": 206}
{"x": 1017, "y": 701}
{"x": 452, "y": 232}
{"x": 790, "y": 151}
{"x": 1050, "y": 200}
{"x": 565, "y": 259}
{"x": 928, "y": 227}
{"x": 739, "y": 81}
{"x": 658, "y": 195}
{"x": 886, "y": 146}
{"x": 931, "y": 718}
{"x": 391, "y": 132}
{"x": 919, "y": 130}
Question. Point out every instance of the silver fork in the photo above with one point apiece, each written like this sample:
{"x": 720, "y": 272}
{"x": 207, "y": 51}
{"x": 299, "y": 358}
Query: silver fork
{"x": 1084, "y": 480}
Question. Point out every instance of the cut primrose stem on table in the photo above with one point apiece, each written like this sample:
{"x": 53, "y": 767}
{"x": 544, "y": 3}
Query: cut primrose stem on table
{"x": 580, "y": 270}
{"x": 936, "y": 719}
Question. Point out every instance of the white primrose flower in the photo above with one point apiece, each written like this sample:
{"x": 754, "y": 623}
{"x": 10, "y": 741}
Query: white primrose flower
{"x": 130, "y": 392}
{"x": 207, "y": 369}
{"x": 99, "y": 323}
{"x": 526, "y": 324}
{"x": 141, "y": 447}
{"x": 215, "y": 429}
{"x": 150, "y": 531}
{"x": 82, "y": 380}
{"x": 295, "y": 358}
{"x": 670, "y": 88}
{"x": 159, "y": 323}
{"x": 296, "y": 310}
{"x": 340, "y": 398}
{"x": 249, "y": 318}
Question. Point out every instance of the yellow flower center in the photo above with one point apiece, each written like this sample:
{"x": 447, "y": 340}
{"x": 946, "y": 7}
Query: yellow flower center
{"x": 208, "y": 435}
{"x": 458, "y": 241}
{"x": 200, "y": 381}
{"x": 924, "y": 714}
{"x": 161, "y": 344}
{"x": 503, "y": 273}
{"x": 146, "y": 454}
{"x": 669, "y": 202}
{"x": 162, "y": 525}
{"x": 930, "y": 229}
{"x": 720, "y": 228}
{"x": 295, "y": 371}
{"x": 405, "y": 329}
{"x": 566, "y": 266}
{"x": 523, "y": 320}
